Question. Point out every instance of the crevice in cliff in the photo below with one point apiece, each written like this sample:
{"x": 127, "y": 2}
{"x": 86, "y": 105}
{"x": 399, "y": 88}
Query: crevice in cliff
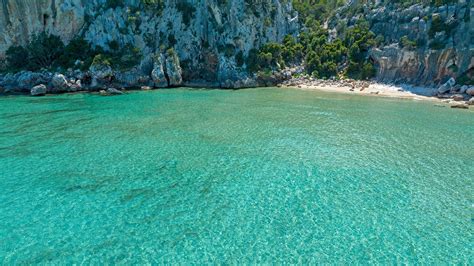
{"x": 53, "y": 9}
{"x": 165, "y": 72}
{"x": 6, "y": 13}
{"x": 45, "y": 21}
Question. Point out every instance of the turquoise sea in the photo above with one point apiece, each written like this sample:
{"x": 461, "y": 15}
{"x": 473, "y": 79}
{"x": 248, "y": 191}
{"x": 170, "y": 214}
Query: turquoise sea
{"x": 248, "y": 176}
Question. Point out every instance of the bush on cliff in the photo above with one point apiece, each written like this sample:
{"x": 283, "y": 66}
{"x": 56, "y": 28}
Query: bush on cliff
{"x": 48, "y": 51}
{"x": 17, "y": 58}
{"x": 77, "y": 50}
{"x": 41, "y": 52}
{"x": 322, "y": 57}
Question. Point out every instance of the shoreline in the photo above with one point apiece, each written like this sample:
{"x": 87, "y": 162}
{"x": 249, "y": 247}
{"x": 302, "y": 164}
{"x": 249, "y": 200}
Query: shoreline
{"x": 349, "y": 87}
{"x": 377, "y": 89}
{"x": 374, "y": 90}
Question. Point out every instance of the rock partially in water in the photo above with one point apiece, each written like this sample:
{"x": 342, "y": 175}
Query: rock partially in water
{"x": 471, "y": 101}
{"x": 38, "y": 90}
{"x": 113, "y": 91}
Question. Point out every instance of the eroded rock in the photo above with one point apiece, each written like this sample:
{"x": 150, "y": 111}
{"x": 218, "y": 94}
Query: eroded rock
{"x": 173, "y": 69}
{"x": 446, "y": 87}
{"x": 158, "y": 73}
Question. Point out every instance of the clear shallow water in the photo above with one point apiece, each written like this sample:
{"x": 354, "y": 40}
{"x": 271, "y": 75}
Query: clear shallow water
{"x": 262, "y": 175}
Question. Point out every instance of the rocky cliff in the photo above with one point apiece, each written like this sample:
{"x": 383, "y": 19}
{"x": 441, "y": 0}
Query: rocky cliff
{"x": 208, "y": 36}
{"x": 419, "y": 44}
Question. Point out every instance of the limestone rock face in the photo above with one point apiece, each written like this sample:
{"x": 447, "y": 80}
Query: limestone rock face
{"x": 208, "y": 36}
{"x": 173, "y": 69}
{"x": 20, "y": 19}
{"x": 437, "y": 55}
{"x": 202, "y": 34}
{"x": 158, "y": 73}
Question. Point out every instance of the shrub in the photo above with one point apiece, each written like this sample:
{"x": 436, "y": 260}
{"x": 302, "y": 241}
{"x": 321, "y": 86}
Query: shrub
{"x": 405, "y": 42}
{"x": 43, "y": 51}
{"x": 47, "y": 51}
{"x": 17, "y": 58}
{"x": 101, "y": 60}
{"x": 77, "y": 49}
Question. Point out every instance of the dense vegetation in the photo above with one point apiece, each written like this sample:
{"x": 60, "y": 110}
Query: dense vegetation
{"x": 346, "y": 55}
{"x": 46, "y": 51}
{"x": 321, "y": 57}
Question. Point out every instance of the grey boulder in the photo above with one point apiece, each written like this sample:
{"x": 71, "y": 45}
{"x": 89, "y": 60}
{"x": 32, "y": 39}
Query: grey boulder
{"x": 447, "y": 86}
{"x": 470, "y": 91}
{"x": 113, "y": 91}
{"x": 38, "y": 90}
{"x": 60, "y": 83}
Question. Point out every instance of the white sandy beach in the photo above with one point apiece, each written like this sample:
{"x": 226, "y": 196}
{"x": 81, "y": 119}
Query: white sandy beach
{"x": 375, "y": 89}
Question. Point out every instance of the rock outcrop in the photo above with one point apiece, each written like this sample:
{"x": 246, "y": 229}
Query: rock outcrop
{"x": 204, "y": 34}
{"x": 158, "y": 72}
{"x": 419, "y": 44}
{"x": 440, "y": 42}
{"x": 173, "y": 69}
